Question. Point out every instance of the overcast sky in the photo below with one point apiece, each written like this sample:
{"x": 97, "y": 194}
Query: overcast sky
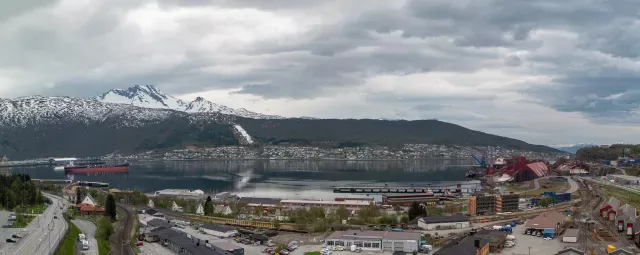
{"x": 544, "y": 71}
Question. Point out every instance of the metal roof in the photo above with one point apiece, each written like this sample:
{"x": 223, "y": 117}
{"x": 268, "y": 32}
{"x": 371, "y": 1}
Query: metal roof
{"x": 445, "y": 219}
{"x": 185, "y": 243}
{"x": 259, "y": 200}
{"x": 218, "y": 227}
{"x": 462, "y": 246}
{"x": 538, "y": 168}
{"x": 364, "y": 235}
{"x": 572, "y": 232}
{"x": 546, "y": 220}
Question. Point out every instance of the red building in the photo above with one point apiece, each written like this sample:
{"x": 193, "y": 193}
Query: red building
{"x": 609, "y": 209}
{"x": 531, "y": 171}
{"x": 90, "y": 210}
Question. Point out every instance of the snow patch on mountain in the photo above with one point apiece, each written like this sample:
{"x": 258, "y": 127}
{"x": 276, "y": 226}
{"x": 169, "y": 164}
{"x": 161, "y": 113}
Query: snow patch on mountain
{"x": 244, "y": 133}
{"x": 149, "y": 96}
{"x": 572, "y": 148}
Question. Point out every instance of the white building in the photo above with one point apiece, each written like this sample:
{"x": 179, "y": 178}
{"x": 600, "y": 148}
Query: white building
{"x": 444, "y": 222}
{"x": 200, "y": 210}
{"x": 328, "y": 205}
{"x": 176, "y": 208}
{"x": 180, "y": 193}
{"x": 89, "y": 200}
{"x": 222, "y": 209}
{"x": 218, "y": 230}
{"x": 571, "y": 235}
{"x": 376, "y": 240}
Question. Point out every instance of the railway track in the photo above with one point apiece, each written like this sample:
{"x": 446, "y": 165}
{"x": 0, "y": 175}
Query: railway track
{"x": 120, "y": 241}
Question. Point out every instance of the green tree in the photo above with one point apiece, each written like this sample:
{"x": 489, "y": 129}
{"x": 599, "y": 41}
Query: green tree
{"x": 404, "y": 219}
{"x": 110, "y": 207}
{"x": 342, "y": 212}
{"x": 416, "y": 210}
{"x": 78, "y": 195}
{"x": 545, "y": 202}
{"x": 208, "y": 206}
{"x": 317, "y": 212}
{"x": 258, "y": 210}
{"x": 104, "y": 228}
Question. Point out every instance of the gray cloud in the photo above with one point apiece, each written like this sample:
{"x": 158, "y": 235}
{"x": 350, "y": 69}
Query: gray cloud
{"x": 587, "y": 49}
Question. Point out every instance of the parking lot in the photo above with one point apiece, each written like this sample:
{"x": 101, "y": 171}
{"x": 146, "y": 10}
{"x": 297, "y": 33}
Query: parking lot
{"x": 537, "y": 244}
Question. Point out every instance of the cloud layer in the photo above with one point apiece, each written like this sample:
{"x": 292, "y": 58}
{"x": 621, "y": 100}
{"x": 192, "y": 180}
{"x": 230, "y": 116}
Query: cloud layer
{"x": 533, "y": 70}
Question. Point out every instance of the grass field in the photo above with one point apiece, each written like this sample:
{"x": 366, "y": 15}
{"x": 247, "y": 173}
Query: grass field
{"x": 35, "y": 209}
{"x": 68, "y": 244}
{"x": 312, "y": 253}
{"x": 22, "y": 222}
{"x": 624, "y": 196}
{"x": 545, "y": 186}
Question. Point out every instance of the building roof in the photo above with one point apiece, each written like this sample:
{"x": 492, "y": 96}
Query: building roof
{"x": 158, "y": 223}
{"x": 570, "y": 251}
{"x": 546, "y": 220}
{"x": 538, "y": 168}
{"x": 259, "y": 200}
{"x": 621, "y": 252}
{"x": 179, "y": 239}
{"x": 462, "y": 246}
{"x": 325, "y": 202}
{"x": 572, "y": 232}
{"x": 493, "y": 236}
{"x": 218, "y": 227}
{"x": 91, "y": 208}
{"x": 225, "y": 245}
{"x": 364, "y": 235}
{"x": 445, "y": 219}
{"x": 613, "y": 202}
{"x": 150, "y": 211}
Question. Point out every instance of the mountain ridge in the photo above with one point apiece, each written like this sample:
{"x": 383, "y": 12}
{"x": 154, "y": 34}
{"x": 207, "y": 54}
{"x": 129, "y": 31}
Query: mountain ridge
{"x": 38, "y": 126}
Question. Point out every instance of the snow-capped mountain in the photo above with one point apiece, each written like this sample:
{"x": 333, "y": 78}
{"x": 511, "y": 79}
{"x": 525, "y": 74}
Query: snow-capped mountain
{"x": 51, "y": 110}
{"x": 149, "y": 96}
{"x": 572, "y": 148}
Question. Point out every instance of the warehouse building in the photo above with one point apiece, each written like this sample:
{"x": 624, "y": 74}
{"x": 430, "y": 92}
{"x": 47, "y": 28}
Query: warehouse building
{"x": 625, "y": 219}
{"x": 444, "y": 222}
{"x": 181, "y": 244}
{"x": 225, "y": 246}
{"x": 218, "y": 230}
{"x": 482, "y": 204}
{"x": 549, "y": 222}
{"x": 376, "y": 240}
{"x": 465, "y": 245}
{"x": 571, "y": 235}
{"x": 408, "y": 199}
{"x": 495, "y": 238}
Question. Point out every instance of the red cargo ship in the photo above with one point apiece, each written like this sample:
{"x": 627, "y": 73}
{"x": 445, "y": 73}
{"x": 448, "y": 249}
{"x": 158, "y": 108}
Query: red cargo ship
{"x": 97, "y": 169}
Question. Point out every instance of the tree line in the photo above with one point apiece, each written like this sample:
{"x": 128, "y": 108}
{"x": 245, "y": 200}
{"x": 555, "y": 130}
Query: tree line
{"x": 19, "y": 190}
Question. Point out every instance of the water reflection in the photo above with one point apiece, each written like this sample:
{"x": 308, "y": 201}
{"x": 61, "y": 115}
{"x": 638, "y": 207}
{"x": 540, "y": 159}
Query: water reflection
{"x": 274, "y": 178}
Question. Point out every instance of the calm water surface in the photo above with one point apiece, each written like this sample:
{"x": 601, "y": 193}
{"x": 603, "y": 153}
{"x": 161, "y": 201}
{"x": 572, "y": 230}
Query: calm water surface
{"x": 293, "y": 179}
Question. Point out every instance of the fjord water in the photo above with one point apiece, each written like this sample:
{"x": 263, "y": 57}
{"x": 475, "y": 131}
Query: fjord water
{"x": 292, "y": 179}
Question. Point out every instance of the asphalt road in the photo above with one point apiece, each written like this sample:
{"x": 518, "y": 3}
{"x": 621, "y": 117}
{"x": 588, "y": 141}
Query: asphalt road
{"x": 43, "y": 232}
{"x": 89, "y": 229}
{"x": 573, "y": 186}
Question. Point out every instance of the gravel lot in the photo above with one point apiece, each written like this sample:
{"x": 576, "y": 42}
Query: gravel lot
{"x": 538, "y": 245}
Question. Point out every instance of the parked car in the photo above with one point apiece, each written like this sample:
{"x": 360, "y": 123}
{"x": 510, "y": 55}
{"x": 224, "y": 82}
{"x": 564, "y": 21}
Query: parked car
{"x": 9, "y": 240}
{"x": 16, "y": 236}
{"x": 284, "y": 251}
{"x": 340, "y": 248}
{"x": 139, "y": 243}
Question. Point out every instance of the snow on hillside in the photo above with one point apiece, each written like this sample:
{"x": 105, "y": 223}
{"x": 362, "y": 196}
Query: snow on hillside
{"x": 244, "y": 133}
{"x": 149, "y": 96}
{"x": 47, "y": 110}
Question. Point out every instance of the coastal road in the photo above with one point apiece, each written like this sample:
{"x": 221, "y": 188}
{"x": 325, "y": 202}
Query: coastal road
{"x": 120, "y": 240}
{"x": 44, "y": 232}
{"x": 89, "y": 229}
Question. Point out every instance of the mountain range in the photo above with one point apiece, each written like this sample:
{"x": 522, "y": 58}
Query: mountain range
{"x": 572, "y": 148}
{"x": 143, "y": 118}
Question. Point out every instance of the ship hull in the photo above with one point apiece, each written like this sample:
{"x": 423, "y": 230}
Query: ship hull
{"x": 97, "y": 169}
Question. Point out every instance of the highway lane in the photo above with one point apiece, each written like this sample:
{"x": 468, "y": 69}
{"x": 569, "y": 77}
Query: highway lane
{"x": 43, "y": 232}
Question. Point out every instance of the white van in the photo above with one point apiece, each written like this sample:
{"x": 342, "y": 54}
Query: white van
{"x": 85, "y": 245}
{"x": 81, "y": 237}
